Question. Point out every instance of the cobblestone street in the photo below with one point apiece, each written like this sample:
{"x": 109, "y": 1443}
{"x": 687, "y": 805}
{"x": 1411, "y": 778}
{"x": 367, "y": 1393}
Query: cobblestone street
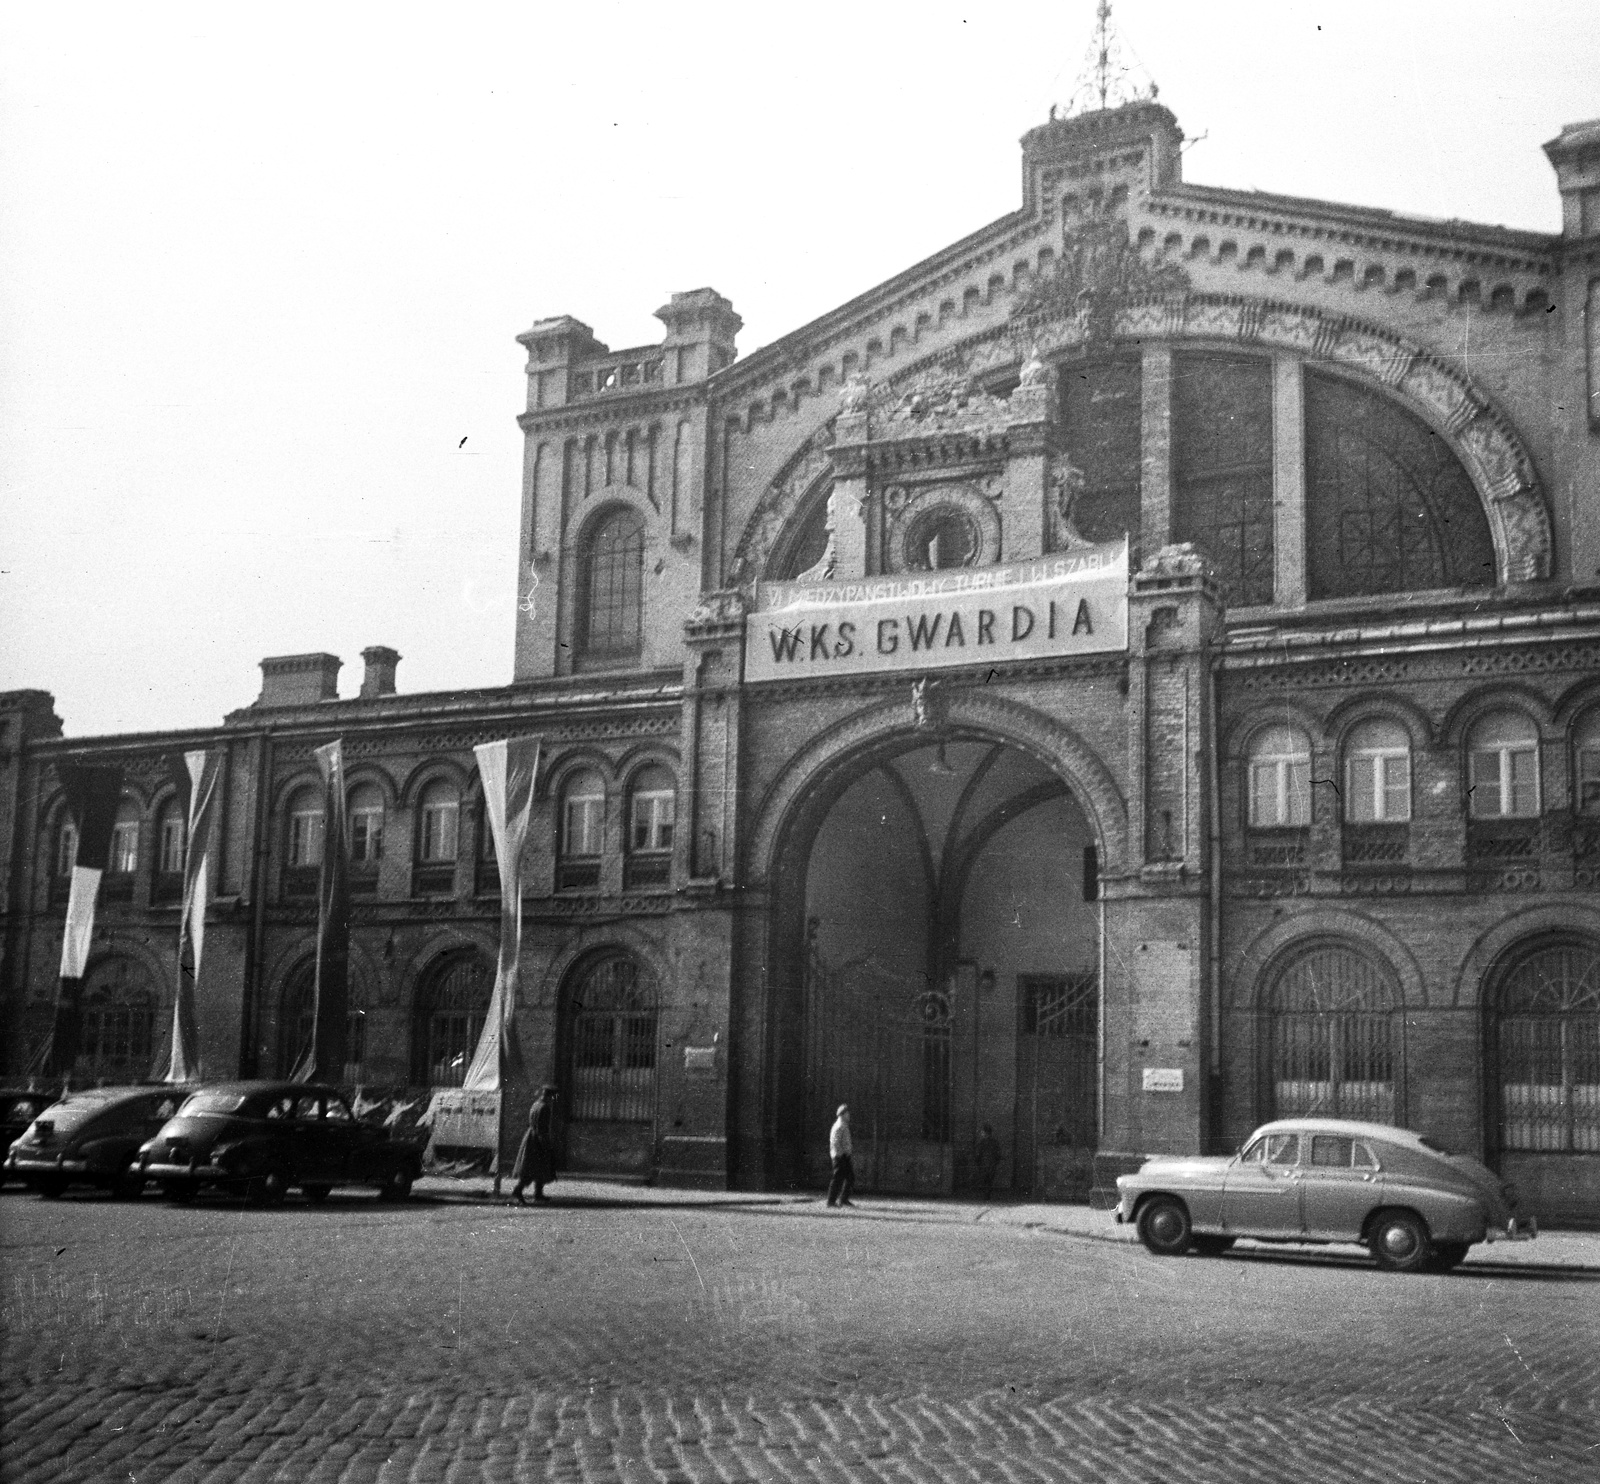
{"x": 622, "y": 1335}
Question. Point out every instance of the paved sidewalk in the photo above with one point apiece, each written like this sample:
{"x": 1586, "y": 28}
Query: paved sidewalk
{"x": 1564, "y": 1248}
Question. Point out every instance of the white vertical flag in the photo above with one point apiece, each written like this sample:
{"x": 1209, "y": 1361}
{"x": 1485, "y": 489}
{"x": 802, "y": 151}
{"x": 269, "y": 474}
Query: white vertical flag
{"x": 205, "y": 774}
{"x": 508, "y": 770}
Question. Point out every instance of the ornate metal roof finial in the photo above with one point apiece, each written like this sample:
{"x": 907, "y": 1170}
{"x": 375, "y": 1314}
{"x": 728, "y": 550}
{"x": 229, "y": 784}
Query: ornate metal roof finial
{"x": 1107, "y": 80}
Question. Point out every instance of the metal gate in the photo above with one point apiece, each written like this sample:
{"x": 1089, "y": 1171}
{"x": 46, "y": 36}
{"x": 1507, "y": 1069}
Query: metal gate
{"x": 881, "y": 1042}
{"x": 1057, "y": 1060}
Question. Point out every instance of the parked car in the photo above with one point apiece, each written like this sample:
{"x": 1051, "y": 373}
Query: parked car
{"x": 18, "y": 1108}
{"x": 1410, "y": 1202}
{"x": 265, "y": 1138}
{"x": 91, "y": 1138}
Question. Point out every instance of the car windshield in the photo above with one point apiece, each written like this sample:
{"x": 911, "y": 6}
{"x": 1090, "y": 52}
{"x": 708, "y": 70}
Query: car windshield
{"x": 217, "y": 1100}
{"x": 74, "y": 1112}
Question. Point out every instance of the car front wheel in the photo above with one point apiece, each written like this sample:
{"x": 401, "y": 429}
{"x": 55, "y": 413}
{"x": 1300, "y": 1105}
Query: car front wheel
{"x": 1164, "y": 1226}
{"x": 1446, "y": 1255}
{"x": 1399, "y": 1240}
{"x": 268, "y": 1188}
{"x": 396, "y": 1187}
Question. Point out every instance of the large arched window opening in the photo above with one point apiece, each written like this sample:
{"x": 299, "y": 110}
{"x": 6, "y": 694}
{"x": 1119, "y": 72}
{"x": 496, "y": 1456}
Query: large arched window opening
{"x": 611, "y": 1042}
{"x": 302, "y": 843}
{"x": 940, "y": 538}
{"x": 804, "y": 545}
{"x": 172, "y": 832}
{"x": 117, "y": 884}
{"x": 1544, "y": 1049}
{"x": 451, "y": 1010}
{"x": 611, "y": 587}
{"x": 297, "y": 1015}
{"x": 116, "y": 1023}
{"x": 1377, "y": 793}
{"x": 652, "y": 824}
{"x": 1389, "y": 508}
{"x": 1333, "y": 1037}
{"x": 1278, "y": 795}
{"x": 1100, "y": 417}
{"x": 365, "y": 809}
{"x": 438, "y": 839}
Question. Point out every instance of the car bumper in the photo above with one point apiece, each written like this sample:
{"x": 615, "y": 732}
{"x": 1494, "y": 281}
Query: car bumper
{"x": 1517, "y": 1229}
{"x": 156, "y": 1170}
{"x": 23, "y": 1166}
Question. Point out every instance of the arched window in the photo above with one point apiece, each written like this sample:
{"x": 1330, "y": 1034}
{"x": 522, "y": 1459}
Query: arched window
{"x": 611, "y": 587}
{"x": 1503, "y": 767}
{"x": 65, "y": 858}
{"x": 1377, "y": 772}
{"x": 303, "y": 843}
{"x": 172, "y": 830}
{"x": 1544, "y": 1039}
{"x": 117, "y": 885}
{"x": 1586, "y": 764}
{"x": 652, "y": 820}
{"x": 583, "y": 808}
{"x": 1279, "y": 778}
{"x": 451, "y": 1009}
{"x": 612, "y": 1043}
{"x": 438, "y": 828}
{"x": 1389, "y": 507}
{"x": 117, "y": 1023}
{"x": 295, "y": 1019}
{"x": 365, "y": 808}
{"x": 1333, "y": 1037}
{"x": 805, "y": 544}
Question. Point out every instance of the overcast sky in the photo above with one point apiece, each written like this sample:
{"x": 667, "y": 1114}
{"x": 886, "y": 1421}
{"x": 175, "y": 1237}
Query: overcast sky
{"x": 263, "y": 266}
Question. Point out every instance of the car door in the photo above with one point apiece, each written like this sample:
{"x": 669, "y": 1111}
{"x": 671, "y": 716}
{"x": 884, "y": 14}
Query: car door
{"x": 308, "y": 1144}
{"x": 1261, "y": 1189}
{"x": 340, "y": 1135}
{"x": 1339, "y": 1185}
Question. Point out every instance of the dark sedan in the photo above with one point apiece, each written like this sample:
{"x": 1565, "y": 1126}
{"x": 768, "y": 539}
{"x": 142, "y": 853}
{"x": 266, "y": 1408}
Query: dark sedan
{"x": 91, "y": 1138}
{"x": 264, "y": 1139}
{"x": 18, "y": 1108}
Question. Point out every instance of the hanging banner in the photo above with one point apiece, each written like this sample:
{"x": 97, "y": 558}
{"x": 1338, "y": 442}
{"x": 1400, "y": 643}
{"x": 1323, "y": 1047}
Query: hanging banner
{"x": 325, "y": 1058}
{"x": 1069, "y": 603}
{"x": 93, "y": 795}
{"x": 204, "y": 770}
{"x": 508, "y": 770}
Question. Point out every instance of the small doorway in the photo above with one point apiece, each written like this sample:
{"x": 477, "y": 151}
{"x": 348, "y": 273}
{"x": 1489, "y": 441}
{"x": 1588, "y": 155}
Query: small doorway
{"x": 1057, "y": 1057}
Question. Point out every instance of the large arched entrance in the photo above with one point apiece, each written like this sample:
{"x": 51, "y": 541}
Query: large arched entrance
{"x": 936, "y": 962}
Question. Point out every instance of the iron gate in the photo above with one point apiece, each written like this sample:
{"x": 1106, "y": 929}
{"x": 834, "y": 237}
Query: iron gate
{"x": 1057, "y": 1079}
{"x": 879, "y": 1041}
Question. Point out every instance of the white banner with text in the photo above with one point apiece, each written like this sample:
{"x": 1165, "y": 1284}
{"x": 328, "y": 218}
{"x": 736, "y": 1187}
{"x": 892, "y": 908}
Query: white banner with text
{"x": 1068, "y": 603}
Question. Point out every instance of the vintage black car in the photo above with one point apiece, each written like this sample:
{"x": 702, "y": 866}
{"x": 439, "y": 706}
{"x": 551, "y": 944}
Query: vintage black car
{"x": 91, "y": 1138}
{"x": 265, "y": 1138}
{"x": 18, "y": 1108}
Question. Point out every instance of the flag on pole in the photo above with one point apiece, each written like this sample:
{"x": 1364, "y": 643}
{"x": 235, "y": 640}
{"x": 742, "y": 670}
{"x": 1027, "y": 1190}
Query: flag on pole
{"x": 204, "y": 770}
{"x": 93, "y": 794}
{"x": 324, "y": 1058}
{"x": 508, "y": 770}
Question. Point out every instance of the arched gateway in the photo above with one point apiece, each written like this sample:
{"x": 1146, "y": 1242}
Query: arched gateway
{"x": 933, "y": 947}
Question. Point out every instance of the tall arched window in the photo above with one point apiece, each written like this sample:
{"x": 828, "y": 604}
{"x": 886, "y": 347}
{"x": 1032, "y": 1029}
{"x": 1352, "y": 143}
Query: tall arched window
{"x": 1389, "y": 507}
{"x": 611, "y": 587}
{"x": 1586, "y": 764}
{"x": 1544, "y": 1049}
{"x": 1377, "y": 772}
{"x": 117, "y": 886}
{"x": 438, "y": 830}
{"x": 65, "y": 858}
{"x": 365, "y": 810}
{"x": 1332, "y": 1037}
{"x": 296, "y": 1015}
{"x": 612, "y": 1043}
{"x": 582, "y": 827}
{"x": 652, "y": 821}
{"x": 1503, "y": 767}
{"x": 117, "y": 1022}
{"x": 303, "y": 828}
{"x": 451, "y": 1009}
{"x": 172, "y": 829}
{"x": 1279, "y": 778}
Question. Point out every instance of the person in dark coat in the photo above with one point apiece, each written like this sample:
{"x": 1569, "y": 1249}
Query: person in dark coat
{"x": 987, "y": 1160}
{"x": 536, "y": 1155}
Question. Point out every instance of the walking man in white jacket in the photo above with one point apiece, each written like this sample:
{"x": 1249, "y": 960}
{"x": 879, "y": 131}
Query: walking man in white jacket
{"x": 839, "y": 1150}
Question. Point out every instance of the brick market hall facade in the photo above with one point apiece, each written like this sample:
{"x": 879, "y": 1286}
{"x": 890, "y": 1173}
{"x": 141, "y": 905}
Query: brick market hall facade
{"x": 1131, "y": 675}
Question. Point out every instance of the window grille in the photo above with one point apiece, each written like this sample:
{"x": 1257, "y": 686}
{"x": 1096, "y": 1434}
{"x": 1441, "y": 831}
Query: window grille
{"x": 1545, "y": 1044}
{"x": 1388, "y": 506}
{"x": 1333, "y": 1038}
{"x": 297, "y": 1018}
{"x": 613, "y": 1043}
{"x": 1222, "y": 469}
{"x": 612, "y": 586}
{"x": 1101, "y": 416}
{"x": 451, "y": 1012}
{"x": 1059, "y": 1018}
{"x": 116, "y": 1037}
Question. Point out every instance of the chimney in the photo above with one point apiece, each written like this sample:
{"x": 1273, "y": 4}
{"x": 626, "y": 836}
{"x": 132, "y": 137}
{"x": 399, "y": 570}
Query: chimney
{"x": 1575, "y": 153}
{"x": 379, "y": 677}
{"x": 299, "y": 679}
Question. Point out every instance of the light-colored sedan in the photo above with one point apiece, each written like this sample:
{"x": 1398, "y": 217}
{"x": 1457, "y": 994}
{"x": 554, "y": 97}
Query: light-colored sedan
{"x": 1411, "y": 1203}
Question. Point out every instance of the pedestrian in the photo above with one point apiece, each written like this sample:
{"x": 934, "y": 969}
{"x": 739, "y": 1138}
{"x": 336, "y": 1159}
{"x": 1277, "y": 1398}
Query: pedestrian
{"x": 839, "y": 1150}
{"x": 987, "y": 1156}
{"x": 536, "y": 1154}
